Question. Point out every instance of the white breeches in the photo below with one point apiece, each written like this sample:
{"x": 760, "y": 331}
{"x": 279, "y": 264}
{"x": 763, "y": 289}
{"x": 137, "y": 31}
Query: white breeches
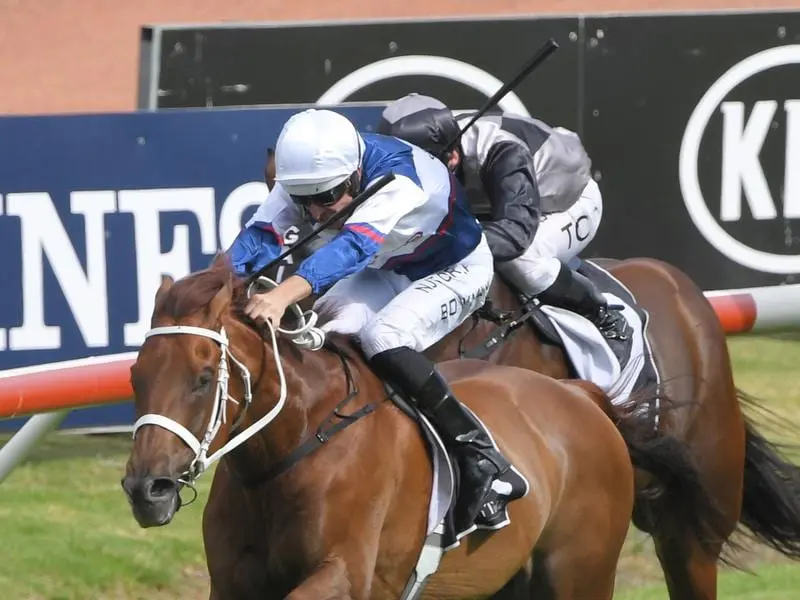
{"x": 387, "y": 310}
{"x": 559, "y": 238}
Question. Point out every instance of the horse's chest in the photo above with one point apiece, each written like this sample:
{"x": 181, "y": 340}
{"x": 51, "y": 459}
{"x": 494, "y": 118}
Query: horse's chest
{"x": 273, "y": 562}
{"x": 259, "y": 574}
{"x": 262, "y": 545}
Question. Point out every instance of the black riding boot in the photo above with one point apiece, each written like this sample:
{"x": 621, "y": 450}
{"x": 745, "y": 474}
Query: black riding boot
{"x": 577, "y": 293}
{"x": 479, "y": 462}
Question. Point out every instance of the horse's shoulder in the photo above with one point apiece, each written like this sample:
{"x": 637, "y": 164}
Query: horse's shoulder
{"x": 459, "y": 368}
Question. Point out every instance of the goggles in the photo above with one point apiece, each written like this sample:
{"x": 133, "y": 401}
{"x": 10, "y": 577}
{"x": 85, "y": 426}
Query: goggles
{"x": 326, "y": 198}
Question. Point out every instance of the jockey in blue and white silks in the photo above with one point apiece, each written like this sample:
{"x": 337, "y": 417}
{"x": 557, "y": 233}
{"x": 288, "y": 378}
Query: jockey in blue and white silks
{"x": 404, "y": 270}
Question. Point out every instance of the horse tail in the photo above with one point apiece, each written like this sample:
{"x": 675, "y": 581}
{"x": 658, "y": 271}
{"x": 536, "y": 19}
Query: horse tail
{"x": 771, "y": 500}
{"x": 672, "y": 478}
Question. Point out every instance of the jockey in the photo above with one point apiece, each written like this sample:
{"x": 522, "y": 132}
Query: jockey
{"x": 545, "y": 207}
{"x": 404, "y": 270}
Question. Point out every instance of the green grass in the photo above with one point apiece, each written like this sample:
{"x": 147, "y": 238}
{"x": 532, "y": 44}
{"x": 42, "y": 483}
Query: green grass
{"x": 773, "y": 582}
{"x": 66, "y": 532}
{"x": 767, "y": 367}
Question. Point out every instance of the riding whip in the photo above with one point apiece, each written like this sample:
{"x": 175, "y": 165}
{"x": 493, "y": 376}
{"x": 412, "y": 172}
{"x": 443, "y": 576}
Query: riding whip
{"x": 537, "y": 59}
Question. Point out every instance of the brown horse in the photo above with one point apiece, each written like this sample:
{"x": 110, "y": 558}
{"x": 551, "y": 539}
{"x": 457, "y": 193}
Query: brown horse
{"x": 751, "y": 484}
{"x": 346, "y": 518}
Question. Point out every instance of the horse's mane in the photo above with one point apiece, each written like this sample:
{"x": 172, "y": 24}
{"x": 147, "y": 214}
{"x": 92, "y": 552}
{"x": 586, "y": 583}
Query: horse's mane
{"x": 194, "y": 292}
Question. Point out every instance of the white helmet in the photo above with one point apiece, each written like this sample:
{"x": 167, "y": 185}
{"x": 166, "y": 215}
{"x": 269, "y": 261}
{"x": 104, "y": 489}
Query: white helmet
{"x": 316, "y": 151}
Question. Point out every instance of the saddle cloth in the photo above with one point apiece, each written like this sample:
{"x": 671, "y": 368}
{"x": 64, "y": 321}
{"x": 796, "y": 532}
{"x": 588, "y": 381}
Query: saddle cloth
{"x": 619, "y": 368}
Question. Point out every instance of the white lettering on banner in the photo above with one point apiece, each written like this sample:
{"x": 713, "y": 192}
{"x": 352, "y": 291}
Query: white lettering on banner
{"x": 742, "y": 176}
{"x": 86, "y": 294}
{"x": 146, "y": 207}
{"x": 741, "y": 169}
{"x": 44, "y": 236}
{"x": 791, "y": 182}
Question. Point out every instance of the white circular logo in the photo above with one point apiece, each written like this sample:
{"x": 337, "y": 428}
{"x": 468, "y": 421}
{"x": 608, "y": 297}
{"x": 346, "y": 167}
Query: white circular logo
{"x": 688, "y": 159}
{"x": 437, "y": 66}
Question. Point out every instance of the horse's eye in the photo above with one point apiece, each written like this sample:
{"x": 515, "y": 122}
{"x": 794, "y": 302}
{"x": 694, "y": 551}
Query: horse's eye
{"x": 203, "y": 381}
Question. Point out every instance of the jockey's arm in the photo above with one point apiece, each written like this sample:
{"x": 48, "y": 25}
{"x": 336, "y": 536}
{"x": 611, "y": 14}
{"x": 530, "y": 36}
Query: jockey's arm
{"x": 510, "y": 183}
{"x": 261, "y": 240}
{"x": 362, "y": 235}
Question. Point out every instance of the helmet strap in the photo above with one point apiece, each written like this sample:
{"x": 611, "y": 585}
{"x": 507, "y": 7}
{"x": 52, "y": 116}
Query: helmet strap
{"x": 354, "y": 183}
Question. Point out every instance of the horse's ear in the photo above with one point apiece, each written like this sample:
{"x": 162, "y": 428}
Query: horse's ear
{"x": 221, "y": 301}
{"x": 269, "y": 169}
{"x": 221, "y": 259}
{"x": 166, "y": 283}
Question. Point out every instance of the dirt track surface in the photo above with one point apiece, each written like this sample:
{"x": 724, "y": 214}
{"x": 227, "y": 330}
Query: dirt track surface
{"x": 82, "y": 55}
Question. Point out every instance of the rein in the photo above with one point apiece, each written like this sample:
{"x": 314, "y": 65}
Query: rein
{"x": 323, "y": 433}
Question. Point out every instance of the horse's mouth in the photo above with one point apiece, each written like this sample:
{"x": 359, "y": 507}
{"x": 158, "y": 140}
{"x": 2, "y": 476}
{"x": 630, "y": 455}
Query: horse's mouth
{"x": 155, "y": 514}
{"x": 153, "y": 502}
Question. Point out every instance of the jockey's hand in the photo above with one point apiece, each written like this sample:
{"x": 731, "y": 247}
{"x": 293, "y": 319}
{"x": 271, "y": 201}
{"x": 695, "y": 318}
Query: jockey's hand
{"x": 271, "y": 305}
{"x": 264, "y": 307}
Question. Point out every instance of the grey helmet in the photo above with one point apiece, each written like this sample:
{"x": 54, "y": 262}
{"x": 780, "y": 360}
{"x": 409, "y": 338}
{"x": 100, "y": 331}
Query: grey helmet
{"x": 421, "y": 120}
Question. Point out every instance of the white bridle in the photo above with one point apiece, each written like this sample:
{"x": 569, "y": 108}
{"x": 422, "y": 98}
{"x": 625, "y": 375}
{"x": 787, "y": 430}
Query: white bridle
{"x": 305, "y": 336}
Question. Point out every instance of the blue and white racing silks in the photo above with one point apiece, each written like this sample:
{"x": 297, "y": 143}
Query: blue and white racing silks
{"x": 416, "y": 225}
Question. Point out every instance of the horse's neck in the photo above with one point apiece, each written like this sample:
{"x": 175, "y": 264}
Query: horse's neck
{"x": 315, "y": 383}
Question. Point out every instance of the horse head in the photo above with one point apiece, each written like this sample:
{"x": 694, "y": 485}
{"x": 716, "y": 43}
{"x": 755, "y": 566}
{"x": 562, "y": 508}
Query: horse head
{"x": 193, "y": 381}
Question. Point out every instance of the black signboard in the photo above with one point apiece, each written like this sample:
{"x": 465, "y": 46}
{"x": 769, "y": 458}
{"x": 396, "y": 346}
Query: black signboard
{"x": 692, "y": 120}
{"x": 378, "y": 61}
{"x": 689, "y": 120}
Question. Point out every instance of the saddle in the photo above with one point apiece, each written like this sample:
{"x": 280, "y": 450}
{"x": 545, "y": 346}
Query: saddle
{"x": 619, "y": 367}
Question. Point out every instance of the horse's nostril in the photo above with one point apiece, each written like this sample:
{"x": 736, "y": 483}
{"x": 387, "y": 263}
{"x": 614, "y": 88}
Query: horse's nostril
{"x": 131, "y": 486}
{"x": 149, "y": 489}
{"x": 161, "y": 488}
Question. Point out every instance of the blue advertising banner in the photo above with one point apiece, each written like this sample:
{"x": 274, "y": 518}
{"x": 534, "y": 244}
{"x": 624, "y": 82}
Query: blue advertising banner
{"x": 93, "y": 208}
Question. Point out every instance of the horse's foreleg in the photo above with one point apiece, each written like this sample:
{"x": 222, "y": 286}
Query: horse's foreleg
{"x": 329, "y": 581}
